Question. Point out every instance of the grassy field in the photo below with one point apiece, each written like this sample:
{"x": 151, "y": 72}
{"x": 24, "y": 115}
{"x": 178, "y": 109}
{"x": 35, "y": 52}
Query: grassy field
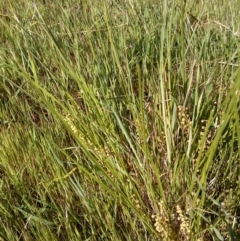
{"x": 119, "y": 120}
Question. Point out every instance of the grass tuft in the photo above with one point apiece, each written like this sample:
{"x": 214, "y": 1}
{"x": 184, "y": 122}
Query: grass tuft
{"x": 119, "y": 120}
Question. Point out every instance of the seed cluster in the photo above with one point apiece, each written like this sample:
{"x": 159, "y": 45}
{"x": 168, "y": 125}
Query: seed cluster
{"x": 163, "y": 223}
{"x": 184, "y": 119}
{"x": 173, "y": 227}
{"x": 209, "y": 136}
{"x": 184, "y": 223}
{"x": 102, "y": 152}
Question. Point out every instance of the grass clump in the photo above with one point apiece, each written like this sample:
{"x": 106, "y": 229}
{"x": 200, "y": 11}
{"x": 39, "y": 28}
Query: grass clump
{"x": 119, "y": 120}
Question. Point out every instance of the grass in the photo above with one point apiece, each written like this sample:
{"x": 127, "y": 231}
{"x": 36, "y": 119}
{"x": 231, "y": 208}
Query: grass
{"x": 119, "y": 120}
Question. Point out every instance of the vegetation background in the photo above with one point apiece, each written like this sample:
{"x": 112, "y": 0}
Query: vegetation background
{"x": 119, "y": 120}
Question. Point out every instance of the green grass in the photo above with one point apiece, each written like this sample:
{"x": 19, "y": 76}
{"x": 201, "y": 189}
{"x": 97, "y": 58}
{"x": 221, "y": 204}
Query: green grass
{"x": 119, "y": 120}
